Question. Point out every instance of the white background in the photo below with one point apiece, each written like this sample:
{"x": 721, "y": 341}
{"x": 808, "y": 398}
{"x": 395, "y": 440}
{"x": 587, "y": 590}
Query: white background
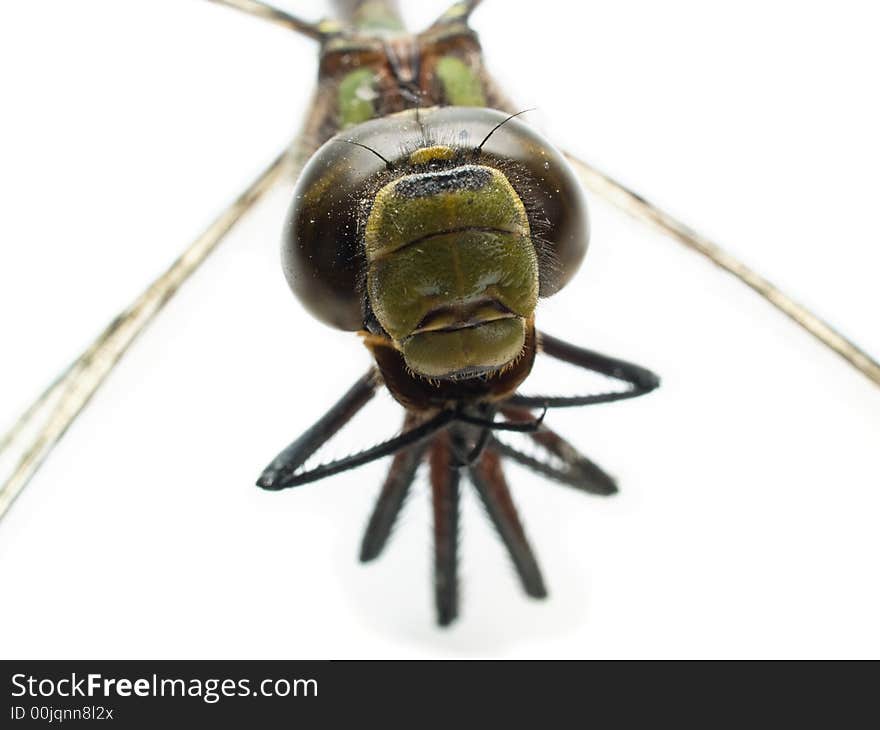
{"x": 747, "y": 521}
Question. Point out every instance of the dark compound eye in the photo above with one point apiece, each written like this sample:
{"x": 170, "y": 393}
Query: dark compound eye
{"x": 322, "y": 253}
{"x": 550, "y": 191}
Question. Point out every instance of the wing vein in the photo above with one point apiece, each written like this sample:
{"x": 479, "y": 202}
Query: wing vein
{"x": 630, "y": 202}
{"x": 30, "y": 440}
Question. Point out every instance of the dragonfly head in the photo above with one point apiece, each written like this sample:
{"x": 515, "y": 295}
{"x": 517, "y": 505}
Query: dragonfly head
{"x": 415, "y": 233}
{"x": 452, "y": 273}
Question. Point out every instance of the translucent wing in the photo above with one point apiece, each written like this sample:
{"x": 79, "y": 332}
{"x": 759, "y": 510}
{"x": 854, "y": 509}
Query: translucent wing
{"x": 636, "y": 206}
{"x": 30, "y": 440}
{"x": 274, "y": 15}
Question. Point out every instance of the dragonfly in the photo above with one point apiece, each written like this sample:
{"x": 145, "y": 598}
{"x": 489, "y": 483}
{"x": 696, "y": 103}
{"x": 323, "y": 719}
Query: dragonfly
{"x": 57, "y": 408}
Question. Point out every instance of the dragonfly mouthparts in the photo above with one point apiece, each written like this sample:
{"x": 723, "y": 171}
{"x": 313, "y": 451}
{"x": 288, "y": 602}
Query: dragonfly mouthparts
{"x": 459, "y": 316}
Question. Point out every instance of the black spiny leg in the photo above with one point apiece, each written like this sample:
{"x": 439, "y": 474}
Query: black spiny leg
{"x": 445, "y": 494}
{"x": 488, "y": 478}
{"x": 295, "y": 455}
{"x": 282, "y": 473}
{"x": 641, "y": 380}
{"x": 571, "y": 467}
{"x": 392, "y": 497}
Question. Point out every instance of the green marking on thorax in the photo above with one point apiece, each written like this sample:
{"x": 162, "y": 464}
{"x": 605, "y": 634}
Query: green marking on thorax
{"x": 355, "y": 98}
{"x": 461, "y": 86}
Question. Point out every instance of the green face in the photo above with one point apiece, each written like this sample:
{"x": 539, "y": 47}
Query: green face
{"x": 452, "y": 272}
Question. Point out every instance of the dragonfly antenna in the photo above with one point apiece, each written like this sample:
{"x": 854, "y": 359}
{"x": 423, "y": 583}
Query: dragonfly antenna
{"x": 501, "y": 124}
{"x": 387, "y": 162}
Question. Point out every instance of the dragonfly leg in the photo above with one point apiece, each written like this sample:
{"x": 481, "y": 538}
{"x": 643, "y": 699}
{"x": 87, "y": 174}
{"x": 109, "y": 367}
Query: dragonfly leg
{"x": 571, "y": 467}
{"x": 640, "y": 380}
{"x": 445, "y": 477}
{"x": 488, "y": 424}
{"x": 531, "y": 425}
{"x": 317, "y": 435}
{"x": 469, "y": 458}
{"x": 392, "y": 497}
{"x": 488, "y": 477}
{"x": 281, "y": 475}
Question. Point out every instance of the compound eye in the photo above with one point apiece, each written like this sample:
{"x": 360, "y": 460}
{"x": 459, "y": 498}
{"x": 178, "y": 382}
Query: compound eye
{"x": 553, "y": 197}
{"x": 567, "y": 236}
{"x": 320, "y": 255}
